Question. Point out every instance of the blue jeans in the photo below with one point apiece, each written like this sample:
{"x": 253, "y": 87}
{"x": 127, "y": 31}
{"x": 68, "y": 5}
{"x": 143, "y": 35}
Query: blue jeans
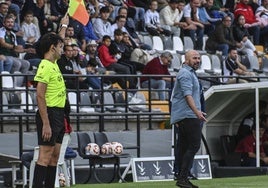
{"x": 197, "y": 38}
{"x": 224, "y": 49}
{"x": 156, "y": 84}
{"x": 93, "y": 82}
{"x": 6, "y": 65}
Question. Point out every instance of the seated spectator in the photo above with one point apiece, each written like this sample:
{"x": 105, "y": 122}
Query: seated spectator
{"x": 254, "y": 26}
{"x": 5, "y": 64}
{"x": 101, "y": 25}
{"x": 247, "y": 148}
{"x": 37, "y": 7}
{"x": 222, "y": 38}
{"x": 110, "y": 62}
{"x": 92, "y": 53}
{"x": 3, "y": 11}
{"x": 232, "y": 67}
{"x": 88, "y": 29}
{"x": 9, "y": 47}
{"x": 31, "y": 32}
{"x": 262, "y": 13}
{"x": 137, "y": 12}
{"x": 208, "y": 21}
{"x": 191, "y": 15}
{"x": 135, "y": 54}
{"x": 119, "y": 47}
{"x": 169, "y": 18}
{"x": 241, "y": 35}
{"x": 78, "y": 33}
{"x": 248, "y": 122}
{"x": 131, "y": 29}
{"x": 216, "y": 9}
{"x": 17, "y": 28}
{"x": 158, "y": 66}
{"x": 152, "y": 21}
{"x": 66, "y": 66}
{"x": 93, "y": 82}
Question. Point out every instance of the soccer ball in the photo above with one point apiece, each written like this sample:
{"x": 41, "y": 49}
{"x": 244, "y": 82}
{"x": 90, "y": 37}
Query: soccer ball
{"x": 62, "y": 180}
{"x": 92, "y": 149}
{"x": 106, "y": 148}
{"x": 117, "y": 148}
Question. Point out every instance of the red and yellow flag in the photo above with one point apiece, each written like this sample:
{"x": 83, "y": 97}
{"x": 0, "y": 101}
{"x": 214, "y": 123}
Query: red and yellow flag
{"x": 77, "y": 10}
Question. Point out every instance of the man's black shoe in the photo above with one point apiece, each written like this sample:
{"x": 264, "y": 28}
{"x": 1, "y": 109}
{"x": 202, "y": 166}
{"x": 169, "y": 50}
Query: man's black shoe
{"x": 183, "y": 183}
{"x": 176, "y": 176}
{"x": 191, "y": 177}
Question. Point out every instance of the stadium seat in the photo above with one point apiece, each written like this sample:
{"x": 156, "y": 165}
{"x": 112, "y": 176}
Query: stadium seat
{"x": 177, "y": 44}
{"x": 7, "y": 80}
{"x": 188, "y": 43}
{"x": 26, "y": 99}
{"x": 148, "y": 40}
{"x": 157, "y": 43}
{"x": 83, "y": 139}
{"x": 85, "y": 103}
{"x": 18, "y": 80}
{"x": 72, "y": 97}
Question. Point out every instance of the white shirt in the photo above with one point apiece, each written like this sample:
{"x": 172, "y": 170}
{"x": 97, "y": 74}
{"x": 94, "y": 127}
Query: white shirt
{"x": 30, "y": 30}
{"x": 152, "y": 19}
{"x": 102, "y": 28}
{"x": 168, "y": 16}
{"x": 187, "y": 11}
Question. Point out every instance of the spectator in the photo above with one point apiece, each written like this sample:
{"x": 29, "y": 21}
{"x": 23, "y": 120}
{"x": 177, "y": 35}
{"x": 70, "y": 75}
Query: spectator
{"x": 169, "y": 17}
{"x": 158, "y": 66}
{"x": 9, "y": 47}
{"x": 31, "y": 32}
{"x": 262, "y": 13}
{"x": 101, "y": 25}
{"x": 241, "y": 35}
{"x": 38, "y": 11}
{"x": 66, "y": 67}
{"x": 3, "y": 11}
{"x": 152, "y": 21}
{"x": 137, "y": 13}
{"x": 191, "y": 15}
{"x": 92, "y": 81}
{"x": 17, "y": 28}
{"x": 233, "y": 68}
{"x": 131, "y": 29}
{"x": 88, "y": 29}
{"x": 222, "y": 38}
{"x": 58, "y": 7}
{"x": 253, "y": 25}
{"x": 92, "y": 53}
{"x": 208, "y": 21}
{"x": 135, "y": 54}
{"x": 247, "y": 148}
{"x": 110, "y": 62}
{"x": 78, "y": 33}
{"x": 248, "y": 122}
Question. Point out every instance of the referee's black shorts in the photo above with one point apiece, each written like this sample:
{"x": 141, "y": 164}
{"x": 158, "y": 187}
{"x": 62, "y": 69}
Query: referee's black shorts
{"x": 56, "y": 121}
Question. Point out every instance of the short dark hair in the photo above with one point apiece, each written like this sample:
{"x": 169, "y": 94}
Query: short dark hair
{"x": 118, "y": 32}
{"x": 47, "y": 41}
{"x": 105, "y": 9}
{"x": 92, "y": 62}
{"x": 231, "y": 48}
{"x": 105, "y": 37}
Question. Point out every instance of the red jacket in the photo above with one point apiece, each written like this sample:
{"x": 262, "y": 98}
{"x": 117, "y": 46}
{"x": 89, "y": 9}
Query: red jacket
{"x": 246, "y": 11}
{"x": 105, "y": 56}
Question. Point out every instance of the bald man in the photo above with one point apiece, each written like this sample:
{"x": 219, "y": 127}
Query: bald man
{"x": 187, "y": 116}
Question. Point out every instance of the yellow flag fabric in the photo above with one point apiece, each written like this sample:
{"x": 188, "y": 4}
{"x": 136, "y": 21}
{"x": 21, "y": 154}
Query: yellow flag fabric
{"x": 77, "y": 10}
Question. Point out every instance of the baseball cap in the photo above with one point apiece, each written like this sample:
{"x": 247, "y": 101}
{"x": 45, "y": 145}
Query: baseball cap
{"x": 92, "y": 42}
